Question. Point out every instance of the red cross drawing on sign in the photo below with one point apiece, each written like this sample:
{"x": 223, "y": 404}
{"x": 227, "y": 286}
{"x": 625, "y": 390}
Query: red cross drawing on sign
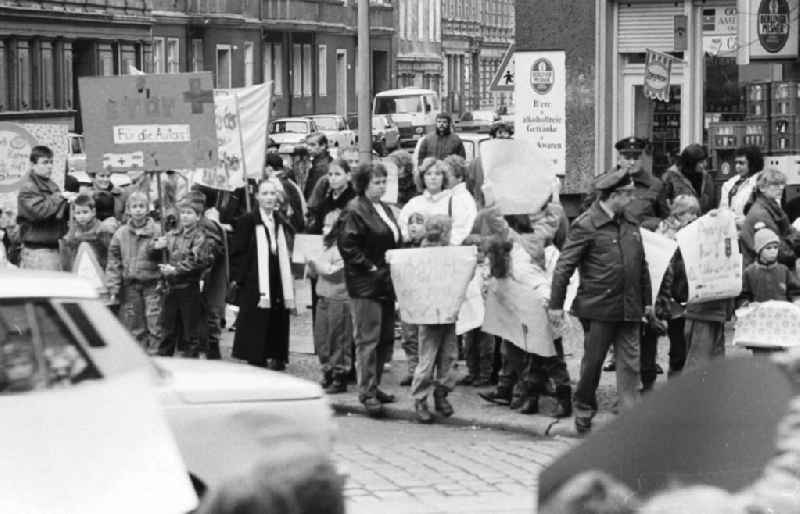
{"x": 197, "y": 96}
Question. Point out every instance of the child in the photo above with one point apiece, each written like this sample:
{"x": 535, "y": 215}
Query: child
{"x": 132, "y": 275}
{"x": 188, "y": 257}
{"x": 438, "y": 347}
{"x": 766, "y": 279}
{"x": 333, "y": 327}
{"x": 409, "y": 332}
{"x": 85, "y": 228}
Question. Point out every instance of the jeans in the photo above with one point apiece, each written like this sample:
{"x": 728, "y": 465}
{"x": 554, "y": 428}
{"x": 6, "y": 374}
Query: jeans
{"x": 597, "y": 337}
{"x": 648, "y": 355}
{"x": 410, "y": 344}
{"x": 438, "y": 353}
{"x": 705, "y": 341}
{"x": 373, "y": 332}
{"x": 47, "y": 259}
{"x": 333, "y": 336}
{"x": 140, "y": 309}
{"x": 182, "y": 309}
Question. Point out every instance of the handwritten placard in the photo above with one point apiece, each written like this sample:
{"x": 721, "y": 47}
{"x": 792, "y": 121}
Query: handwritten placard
{"x": 658, "y": 251}
{"x": 472, "y": 311}
{"x": 306, "y": 247}
{"x": 430, "y": 283}
{"x": 710, "y": 250}
{"x": 517, "y": 177}
{"x": 768, "y": 324}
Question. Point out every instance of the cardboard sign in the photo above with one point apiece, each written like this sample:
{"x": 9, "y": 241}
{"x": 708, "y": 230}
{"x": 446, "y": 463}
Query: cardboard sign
{"x": 87, "y": 266}
{"x": 472, "y": 311}
{"x": 430, "y": 283}
{"x": 710, "y": 249}
{"x": 306, "y": 247}
{"x": 658, "y": 251}
{"x": 769, "y": 324}
{"x": 168, "y": 119}
{"x": 517, "y": 312}
{"x": 517, "y": 178}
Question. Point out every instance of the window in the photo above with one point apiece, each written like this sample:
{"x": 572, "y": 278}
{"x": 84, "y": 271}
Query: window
{"x": 248, "y": 63}
{"x": 105, "y": 60}
{"x": 273, "y": 67}
{"x": 22, "y": 82}
{"x": 158, "y": 55}
{"x": 197, "y": 55}
{"x": 307, "y": 67}
{"x": 223, "y": 66}
{"x": 266, "y": 66}
{"x": 173, "y": 55}
{"x": 297, "y": 70}
{"x": 3, "y": 77}
{"x": 322, "y": 70}
{"x": 46, "y": 95}
{"x": 127, "y": 58}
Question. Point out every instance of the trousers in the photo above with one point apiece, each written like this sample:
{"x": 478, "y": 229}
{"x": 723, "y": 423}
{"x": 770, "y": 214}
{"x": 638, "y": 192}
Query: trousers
{"x": 333, "y": 336}
{"x": 677, "y": 345}
{"x": 182, "y": 309}
{"x": 140, "y": 310}
{"x": 438, "y": 353}
{"x": 705, "y": 341}
{"x": 373, "y": 332}
{"x": 410, "y": 344}
{"x": 479, "y": 347}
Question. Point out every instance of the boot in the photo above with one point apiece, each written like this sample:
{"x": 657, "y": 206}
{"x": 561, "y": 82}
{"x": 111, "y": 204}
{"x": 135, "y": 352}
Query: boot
{"x": 530, "y": 405}
{"x": 327, "y": 379}
{"x": 441, "y": 404}
{"x": 520, "y": 396}
{"x": 564, "y": 399}
{"x": 338, "y": 386}
{"x": 583, "y": 425}
{"x": 500, "y": 396}
{"x": 422, "y": 412}
{"x": 373, "y": 406}
{"x": 384, "y": 397}
{"x": 213, "y": 353}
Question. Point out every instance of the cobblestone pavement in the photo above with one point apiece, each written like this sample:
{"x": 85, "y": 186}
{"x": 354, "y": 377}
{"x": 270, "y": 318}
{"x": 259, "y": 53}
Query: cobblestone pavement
{"x": 398, "y": 467}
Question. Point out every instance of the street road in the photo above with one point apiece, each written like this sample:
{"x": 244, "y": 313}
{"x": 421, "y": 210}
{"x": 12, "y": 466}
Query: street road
{"x": 400, "y": 467}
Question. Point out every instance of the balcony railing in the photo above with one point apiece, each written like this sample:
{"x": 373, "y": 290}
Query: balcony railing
{"x": 122, "y": 7}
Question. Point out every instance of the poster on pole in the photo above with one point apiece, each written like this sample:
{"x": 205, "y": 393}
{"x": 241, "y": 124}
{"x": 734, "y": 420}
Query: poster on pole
{"x": 540, "y": 92}
{"x": 165, "y": 122}
{"x": 710, "y": 249}
{"x": 658, "y": 252}
{"x": 431, "y": 283}
{"x": 517, "y": 178}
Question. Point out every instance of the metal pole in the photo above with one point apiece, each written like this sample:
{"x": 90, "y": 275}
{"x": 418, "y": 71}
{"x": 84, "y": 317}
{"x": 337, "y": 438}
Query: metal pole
{"x": 362, "y": 85}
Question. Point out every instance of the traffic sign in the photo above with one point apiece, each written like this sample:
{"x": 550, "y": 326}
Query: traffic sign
{"x": 504, "y": 77}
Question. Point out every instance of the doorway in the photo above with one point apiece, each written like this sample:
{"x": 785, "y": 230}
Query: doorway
{"x": 341, "y": 82}
{"x": 380, "y": 71}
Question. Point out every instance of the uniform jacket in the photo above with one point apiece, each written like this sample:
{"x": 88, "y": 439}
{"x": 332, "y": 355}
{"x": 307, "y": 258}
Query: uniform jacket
{"x": 770, "y": 213}
{"x": 614, "y": 279}
{"x": 363, "y": 243}
{"x": 188, "y": 252}
{"x": 129, "y": 256}
{"x": 42, "y": 212}
{"x": 648, "y": 205}
{"x": 319, "y": 168}
{"x": 764, "y": 282}
{"x": 676, "y": 184}
{"x": 434, "y": 145}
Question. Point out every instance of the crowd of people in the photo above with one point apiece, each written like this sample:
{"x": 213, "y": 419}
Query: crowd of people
{"x": 171, "y": 268}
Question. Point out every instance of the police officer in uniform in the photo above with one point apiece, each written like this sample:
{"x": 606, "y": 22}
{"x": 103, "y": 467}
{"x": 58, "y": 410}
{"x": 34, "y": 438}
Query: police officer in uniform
{"x": 614, "y": 295}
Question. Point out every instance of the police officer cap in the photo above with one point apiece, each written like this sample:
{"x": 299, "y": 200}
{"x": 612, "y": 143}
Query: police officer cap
{"x": 631, "y": 144}
{"x": 613, "y": 181}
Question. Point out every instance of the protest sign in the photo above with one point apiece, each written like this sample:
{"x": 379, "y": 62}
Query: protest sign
{"x": 770, "y": 324}
{"x": 392, "y": 181}
{"x": 658, "y": 252}
{"x": 472, "y": 311}
{"x": 517, "y": 312}
{"x": 306, "y": 247}
{"x": 16, "y": 142}
{"x": 241, "y": 118}
{"x": 430, "y": 283}
{"x": 710, "y": 250}
{"x": 518, "y": 176}
{"x": 169, "y": 119}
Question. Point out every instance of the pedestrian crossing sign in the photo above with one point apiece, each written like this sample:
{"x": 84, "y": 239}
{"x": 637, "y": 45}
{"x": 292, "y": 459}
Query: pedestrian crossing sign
{"x": 504, "y": 77}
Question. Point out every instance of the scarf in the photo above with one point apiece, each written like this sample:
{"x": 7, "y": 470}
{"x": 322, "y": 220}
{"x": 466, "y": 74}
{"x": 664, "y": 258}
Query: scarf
{"x": 262, "y": 248}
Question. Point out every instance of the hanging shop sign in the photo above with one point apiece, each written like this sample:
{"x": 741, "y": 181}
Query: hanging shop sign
{"x": 770, "y": 31}
{"x": 657, "y": 71}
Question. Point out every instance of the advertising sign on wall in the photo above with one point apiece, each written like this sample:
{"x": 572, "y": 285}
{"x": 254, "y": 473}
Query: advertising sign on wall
{"x": 768, "y": 29}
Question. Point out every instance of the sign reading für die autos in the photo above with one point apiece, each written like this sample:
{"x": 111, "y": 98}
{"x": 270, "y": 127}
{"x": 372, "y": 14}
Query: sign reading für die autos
{"x": 540, "y": 103}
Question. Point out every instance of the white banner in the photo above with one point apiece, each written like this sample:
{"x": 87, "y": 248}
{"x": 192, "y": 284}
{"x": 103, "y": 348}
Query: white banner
{"x": 540, "y": 92}
{"x": 517, "y": 178}
{"x": 658, "y": 252}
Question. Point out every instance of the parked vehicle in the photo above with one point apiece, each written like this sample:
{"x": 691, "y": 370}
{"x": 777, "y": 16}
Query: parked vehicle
{"x": 385, "y": 135}
{"x": 291, "y": 130}
{"x": 412, "y": 110}
{"x": 224, "y": 416}
{"x": 476, "y": 121}
{"x": 335, "y": 129}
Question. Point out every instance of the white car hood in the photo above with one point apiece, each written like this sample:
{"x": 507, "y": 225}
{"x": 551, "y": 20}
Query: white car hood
{"x": 287, "y": 137}
{"x": 201, "y": 381}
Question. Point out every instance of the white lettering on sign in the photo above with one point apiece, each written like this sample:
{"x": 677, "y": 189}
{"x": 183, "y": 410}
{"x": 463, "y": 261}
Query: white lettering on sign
{"x": 138, "y": 134}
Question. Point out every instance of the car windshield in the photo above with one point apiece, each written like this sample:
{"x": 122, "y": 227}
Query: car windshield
{"x": 483, "y": 115}
{"x": 398, "y": 104}
{"x": 327, "y": 123}
{"x": 293, "y": 126}
{"x": 379, "y": 121}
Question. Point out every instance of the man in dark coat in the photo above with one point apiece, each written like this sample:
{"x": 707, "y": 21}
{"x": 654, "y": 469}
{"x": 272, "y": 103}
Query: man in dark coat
{"x": 441, "y": 143}
{"x": 604, "y": 243}
{"x": 317, "y": 144}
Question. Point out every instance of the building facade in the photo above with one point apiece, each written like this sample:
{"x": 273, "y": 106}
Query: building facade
{"x": 307, "y": 47}
{"x": 419, "y": 44}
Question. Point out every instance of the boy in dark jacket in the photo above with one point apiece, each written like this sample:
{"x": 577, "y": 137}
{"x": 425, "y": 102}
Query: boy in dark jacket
{"x": 85, "y": 228}
{"x": 188, "y": 257}
{"x": 767, "y": 279}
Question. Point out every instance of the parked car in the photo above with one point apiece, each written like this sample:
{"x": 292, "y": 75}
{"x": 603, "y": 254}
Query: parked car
{"x": 76, "y": 153}
{"x": 412, "y": 110}
{"x": 291, "y": 130}
{"x": 385, "y": 135}
{"x": 336, "y": 129}
{"x": 475, "y": 121}
{"x": 471, "y": 141}
{"x": 224, "y": 416}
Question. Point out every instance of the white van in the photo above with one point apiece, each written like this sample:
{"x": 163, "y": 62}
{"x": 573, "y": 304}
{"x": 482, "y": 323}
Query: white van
{"x": 412, "y": 110}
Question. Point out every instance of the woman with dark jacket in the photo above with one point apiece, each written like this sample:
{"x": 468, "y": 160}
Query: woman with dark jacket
{"x": 369, "y": 230}
{"x": 332, "y": 192}
{"x": 766, "y": 208}
{"x": 261, "y": 274}
{"x": 691, "y": 178}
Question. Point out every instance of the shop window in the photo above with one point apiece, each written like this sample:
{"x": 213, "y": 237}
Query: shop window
{"x": 159, "y": 55}
{"x": 173, "y": 55}
{"x": 127, "y": 59}
{"x": 105, "y": 60}
{"x": 248, "y": 63}
{"x": 322, "y": 69}
{"x": 197, "y": 55}
{"x": 223, "y": 66}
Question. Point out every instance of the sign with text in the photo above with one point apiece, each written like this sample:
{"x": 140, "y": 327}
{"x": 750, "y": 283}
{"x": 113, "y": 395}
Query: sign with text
{"x": 768, "y": 324}
{"x": 159, "y": 122}
{"x": 430, "y": 283}
{"x": 517, "y": 178}
{"x": 768, "y": 29}
{"x": 540, "y": 92}
{"x": 657, "y": 72}
{"x": 720, "y": 27}
{"x": 710, "y": 250}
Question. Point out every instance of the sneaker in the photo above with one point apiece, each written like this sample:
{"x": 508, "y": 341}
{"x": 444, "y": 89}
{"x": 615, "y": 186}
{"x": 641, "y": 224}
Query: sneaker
{"x": 385, "y": 397}
{"x": 373, "y": 406}
{"x": 422, "y": 412}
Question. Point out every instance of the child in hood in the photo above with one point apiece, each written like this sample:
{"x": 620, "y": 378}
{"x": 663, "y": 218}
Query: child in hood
{"x": 765, "y": 278}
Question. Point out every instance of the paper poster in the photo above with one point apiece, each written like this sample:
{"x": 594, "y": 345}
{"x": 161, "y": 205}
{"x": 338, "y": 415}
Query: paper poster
{"x": 517, "y": 177}
{"x": 169, "y": 118}
{"x": 306, "y": 247}
{"x": 86, "y": 266}
{"x": 658, "y": 251}
{"x": 710, "y": 250}
{"x": 111, "y": 444}
{"x": 540, "y": 97}
{"x": 518, "y": 313}
{"x": 392, "y": 181}
{"x": 472, "y": 311}
{"x": 16, "y": 142}
{"x": 768, "y": 324}
{"x": 431, "y": 283}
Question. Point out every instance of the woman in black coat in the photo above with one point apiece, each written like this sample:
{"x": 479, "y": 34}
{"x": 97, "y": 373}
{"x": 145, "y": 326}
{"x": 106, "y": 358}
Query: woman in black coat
{"x": 369, "y": 230}
{"x": 261, "y": 272}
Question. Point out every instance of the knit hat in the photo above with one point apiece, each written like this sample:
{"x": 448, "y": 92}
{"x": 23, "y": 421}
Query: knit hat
{"x": 763, "y": 237}
{"x": 194, "y": 200}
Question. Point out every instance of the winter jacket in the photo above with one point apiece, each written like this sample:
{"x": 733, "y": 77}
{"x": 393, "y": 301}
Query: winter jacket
{"x": 98, "y": 236}
{"x": 648, "y": 205}
{"x": 215, "y": 285}
{"x": 614, "y": 278}
{"x": 770, "y": 213}
{"x": 109, "y": 203}
{"x": 764, "y": 282}
{"x": 323, "y": 202}
{"x": 676, "y": 184}
{"x": 319, "y": 169}
{"x": 42, "y": 212}
{"x": 363, "y": 243}
{"x": 434, "y": 145}
{"x": 188, "y": 252}
{"x": 129, "y": 256}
